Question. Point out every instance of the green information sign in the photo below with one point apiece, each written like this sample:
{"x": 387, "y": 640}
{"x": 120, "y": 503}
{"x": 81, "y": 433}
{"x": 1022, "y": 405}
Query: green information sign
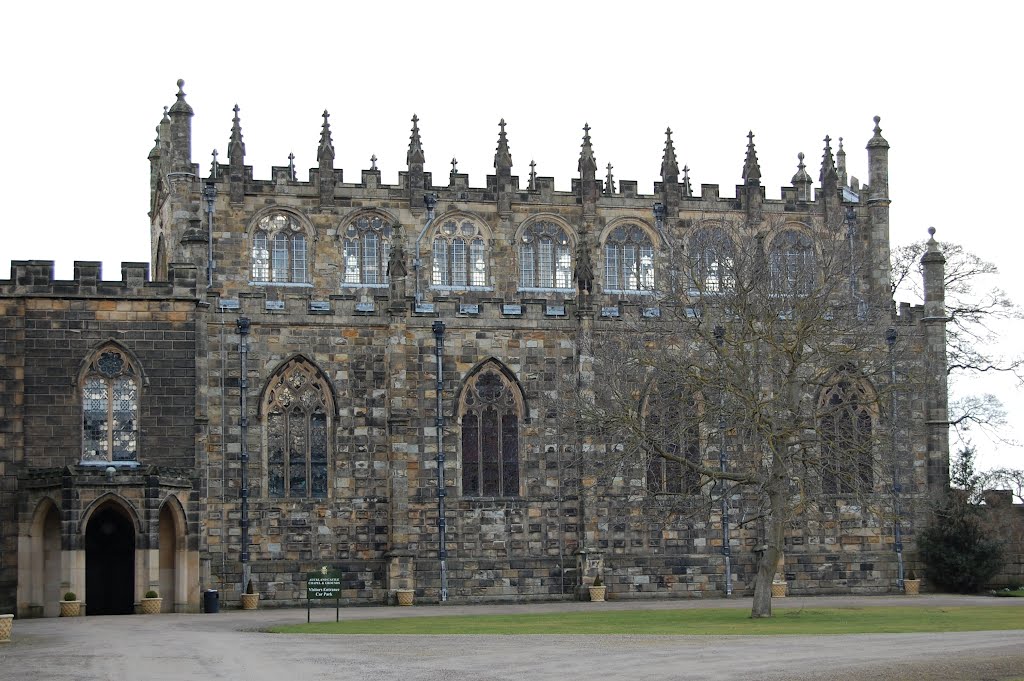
{"x": 324, "y": 583}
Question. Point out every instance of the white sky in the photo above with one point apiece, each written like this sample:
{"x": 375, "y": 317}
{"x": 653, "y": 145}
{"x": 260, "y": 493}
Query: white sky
{"x": 85, "y": 85}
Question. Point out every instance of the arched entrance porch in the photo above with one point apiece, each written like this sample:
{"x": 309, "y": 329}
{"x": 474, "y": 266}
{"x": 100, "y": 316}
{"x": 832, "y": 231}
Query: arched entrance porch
{"x": 110, "y": 561}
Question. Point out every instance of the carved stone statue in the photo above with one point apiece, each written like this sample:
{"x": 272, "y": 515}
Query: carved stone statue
{"x": 584, "y": 267}
{"x": 396, "y": 261}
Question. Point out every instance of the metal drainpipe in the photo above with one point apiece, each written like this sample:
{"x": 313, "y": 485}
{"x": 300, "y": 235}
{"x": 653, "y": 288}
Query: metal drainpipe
{"x": 442, "y": 553}
{"x": 897, "y": 486}
{"x": 726, "y": 551}
{"x": 243, "y": 384}
{"x": 210, "y": 194}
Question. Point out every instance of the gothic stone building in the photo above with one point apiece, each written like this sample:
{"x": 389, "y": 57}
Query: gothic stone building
{"x": 264, "y": 402}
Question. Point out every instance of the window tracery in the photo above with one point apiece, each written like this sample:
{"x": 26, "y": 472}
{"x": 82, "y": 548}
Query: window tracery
{"x": 279, "y": 253}
{"x": 490, "y": 414}
{"x": 673, "y": 425}
{"x": 545, "y": 257}
{"x": 628, "y": 260}
{"x": 845, "y": 426}
{"x": 367, "y": 246}
{"x": 793, "y": 264}
{"x": 298, "y": 408}
{"x": 459, "y": 256}
{"x": 110, "y": 408}
{"x": 712, "y": 257}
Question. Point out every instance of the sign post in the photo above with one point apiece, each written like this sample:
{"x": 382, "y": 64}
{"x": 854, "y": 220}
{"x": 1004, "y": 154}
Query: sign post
{"x": 324, "y": 583}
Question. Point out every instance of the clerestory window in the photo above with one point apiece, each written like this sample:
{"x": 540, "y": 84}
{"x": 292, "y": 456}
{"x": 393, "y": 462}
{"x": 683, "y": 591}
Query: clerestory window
{"x": 279, "y": 252}
{"x": 460, "y": 255}
{"x": 628, "y": 260}
{"x": 545, "y": 257}
{"x": 367, "y": 244}
{"x": 712, "y": 261}
{"x": 793, "y": 265}
{"x": 110, "y": 408}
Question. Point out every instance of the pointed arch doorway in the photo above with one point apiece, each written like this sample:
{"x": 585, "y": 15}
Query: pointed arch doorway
{"x": 110, "y": 562}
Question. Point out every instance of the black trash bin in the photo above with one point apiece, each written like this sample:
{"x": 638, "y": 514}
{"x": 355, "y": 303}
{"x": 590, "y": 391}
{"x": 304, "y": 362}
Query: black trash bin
{"x": 211, "y": 601}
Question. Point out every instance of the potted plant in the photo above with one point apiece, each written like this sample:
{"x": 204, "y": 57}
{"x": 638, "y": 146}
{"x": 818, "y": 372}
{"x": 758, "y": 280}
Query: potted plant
{"x": 250, "y": 599}
{"x": 151, "y": 603}
{"x": 597, "y": 590}
{"x": 70, "y": 606}
{"x": 6, "y": 623}
{"x": 912, "y": 585}
{"x": 404, "y": 596}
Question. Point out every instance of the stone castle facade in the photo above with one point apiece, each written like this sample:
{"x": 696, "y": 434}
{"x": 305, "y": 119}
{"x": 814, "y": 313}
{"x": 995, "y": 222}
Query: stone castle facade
{"x": 265, "y": 403}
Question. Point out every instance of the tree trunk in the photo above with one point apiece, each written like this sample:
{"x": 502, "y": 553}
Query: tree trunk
{"x": 769, "y": 562}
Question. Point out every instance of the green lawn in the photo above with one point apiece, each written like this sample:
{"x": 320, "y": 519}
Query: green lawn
{"x": 884, "y": 620}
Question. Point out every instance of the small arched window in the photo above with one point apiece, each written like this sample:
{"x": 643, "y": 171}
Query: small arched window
{"x": 460, "y": 255}
{"x": 673, "y": 428}
{"x": 545, "y": 257}
{"x": 279, "y": 250}
{"x": 793, "y": 265}
{"x": 367, "y": 248}
{"x": 490, "y": 414}
{"x": 712, "y": 261}
{"x": 298, "y": 407}
{"x": 628, "y": 260}
{"x": 844, "y": 423}
{"x": 110, "y": 408}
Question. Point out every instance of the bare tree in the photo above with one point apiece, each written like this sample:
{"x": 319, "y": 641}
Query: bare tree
{"x": 758, "y": 375}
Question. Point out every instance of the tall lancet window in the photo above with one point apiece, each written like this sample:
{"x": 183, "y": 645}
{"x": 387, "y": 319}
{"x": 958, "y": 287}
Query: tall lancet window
{"x": 298, "y": 408}
{"x": 490, "y": 412}
{"x": 845, "y": 428}
{"x": 110, "y": 408}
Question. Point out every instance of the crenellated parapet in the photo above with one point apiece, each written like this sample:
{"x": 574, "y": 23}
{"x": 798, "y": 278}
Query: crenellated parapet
{"x": 35, "y": 278}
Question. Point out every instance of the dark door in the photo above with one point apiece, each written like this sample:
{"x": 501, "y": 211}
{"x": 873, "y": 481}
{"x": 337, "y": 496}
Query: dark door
{"x": 109, "y": 563}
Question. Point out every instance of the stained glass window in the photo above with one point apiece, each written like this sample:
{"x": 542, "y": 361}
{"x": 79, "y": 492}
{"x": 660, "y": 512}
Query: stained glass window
{"x": 459, "y": 255}
{"x": 110, "y": 408}
{"x": 298, "y": 408}
{"x": 490, "y": 414}
{"x": 673, "y": 428}
{"x": 545, "y": 257}
{"x": 367, "y": 247}
{"x": 628, "y": 260}
{"x": 844, "y": 423}
{"x": 279, "y": 250}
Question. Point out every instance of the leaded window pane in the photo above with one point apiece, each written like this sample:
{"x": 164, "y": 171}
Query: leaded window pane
{"x": 526, "y": 271}
{"x": 352, "y": 261}
{"x": 260, "y": 257}
{"x": 279, "y": 262}
{"x": 490, "y": 459}
{"x": 563, "y": 267}
{"x": 509, "y": 454}
{"x": 478, "y": 265}
{"x": 546, "y": 263}
{"x": 299, "y": 259}
{"x": 371, "y": 265}
{"x": 471, "y": 454}
{"x": 94, "y": 426}
{"x": 459, "y": 255}
{"x": 275, "y": 454}
{"x": 318, "y": 454}
{"x": 125, "y": 419}
{"x": 459, "y": 262}
{"x": 629, "y": 260}
{"x": 110, "y": 409}
{"x": 611, "y": 266}
{"x": 297, "y": 453}
{"x": 440, "y": 263}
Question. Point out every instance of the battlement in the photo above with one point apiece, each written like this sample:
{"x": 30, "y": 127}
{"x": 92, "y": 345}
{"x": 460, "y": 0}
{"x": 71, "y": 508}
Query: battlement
{"x": 35, "y": 278}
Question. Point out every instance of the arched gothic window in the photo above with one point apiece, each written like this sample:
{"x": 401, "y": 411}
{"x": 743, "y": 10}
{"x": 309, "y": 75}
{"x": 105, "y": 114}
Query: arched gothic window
{"x": 279, "y": 250}
{"x": 844, "y": 423}
{"x": 628, "y": 260}
{"x": 545, "y": 257}
{"x": 460, "y": 255}
{"x": 793, "y": 264}
{"x": 110, "y": 408}
{"x": 298, "y": 407}
{"x": 673, "y": 425}
{"x": 490, "y": 414}
{"x": 712, "y": 261}
{"x": 367, "y": 248}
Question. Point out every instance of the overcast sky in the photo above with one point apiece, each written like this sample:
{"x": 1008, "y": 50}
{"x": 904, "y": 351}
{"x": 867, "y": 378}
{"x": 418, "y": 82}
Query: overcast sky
{"x": 85, "y": 85}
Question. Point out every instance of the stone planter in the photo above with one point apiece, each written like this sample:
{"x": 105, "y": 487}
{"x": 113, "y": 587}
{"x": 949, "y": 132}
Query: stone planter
{"x": 597, "y": 593}
{"x": 6, "y": 624}
{"x": 780, "y": 589}
{"x": 250, "y": 601}
{"x": 912, "y": 587}
{"x": 70, "y": 608}
{"x": 404, "y": 596}
{"x": 151, "y": 606}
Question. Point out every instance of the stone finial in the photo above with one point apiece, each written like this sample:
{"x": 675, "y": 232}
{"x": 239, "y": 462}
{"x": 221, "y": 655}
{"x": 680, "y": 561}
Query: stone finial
{"x": 669, "y": 165}
{"x": 415, "y": 154}
{"x": 877, "y": 140}
{"x": 180, "y": 106}
{"x": 373, "y": 162}
{"x": 502, "y": 156}
{"x": 751, "y": 168}
{"x": 236, "y": 147}
{"x": 801, "y": 171}
{"x": 828, "y": 164}
{"x": 325, "y": 152}
{"x": 291, "y": 166}
{"x": 166, "y": 118}
{"x": 533, "y": 176}
{"x": 841, "y": 163}
{"x": 609, "y": 181}
{"x": 154, "y": 153}
{"x": 455, "y": 165}
{"x": 687, "y": 189}
{"x": 588, "y": 163}
{"x": 214, "y": 166}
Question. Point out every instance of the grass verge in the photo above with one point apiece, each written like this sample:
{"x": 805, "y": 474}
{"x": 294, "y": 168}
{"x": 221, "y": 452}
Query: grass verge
{"x": 725, "y": 621}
